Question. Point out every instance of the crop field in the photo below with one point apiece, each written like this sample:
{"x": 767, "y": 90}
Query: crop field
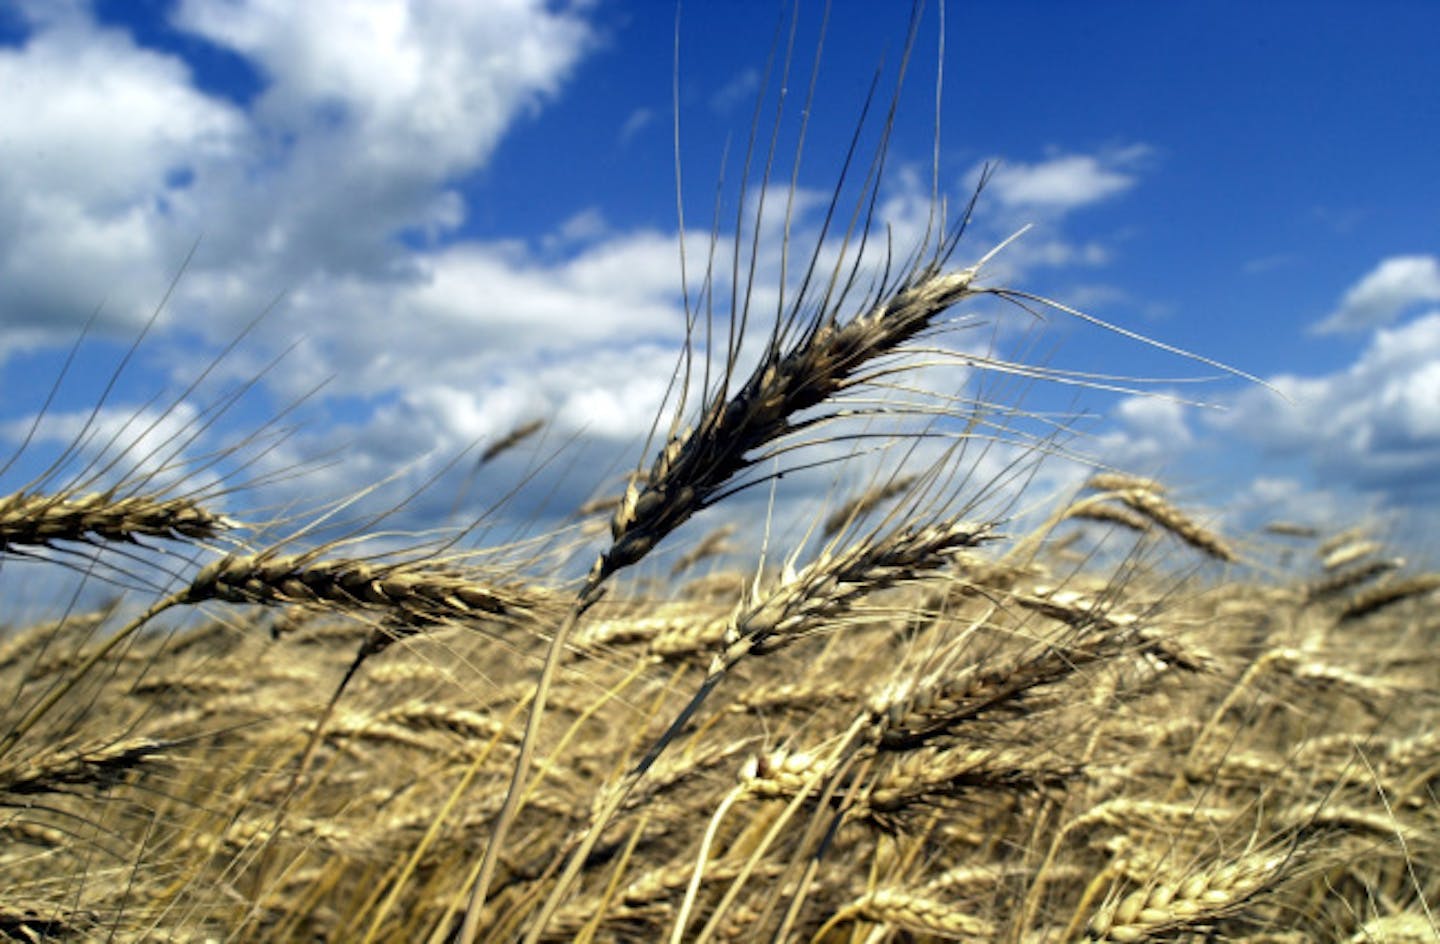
{"x": 922, "y": 734}
{"x": 947, "y": 711}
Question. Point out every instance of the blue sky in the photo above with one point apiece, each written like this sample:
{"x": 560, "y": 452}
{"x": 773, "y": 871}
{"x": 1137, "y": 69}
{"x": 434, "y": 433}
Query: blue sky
{"x": 461, "y": 216}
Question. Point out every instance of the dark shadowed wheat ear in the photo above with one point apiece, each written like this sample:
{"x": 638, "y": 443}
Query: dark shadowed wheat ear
{"x": 802, "y": 368}
{"x": 30, "y": 520}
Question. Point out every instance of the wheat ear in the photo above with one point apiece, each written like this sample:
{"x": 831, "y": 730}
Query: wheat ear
{"x": 908, "y": 911}
{"x": 510, "y": 440}
{"x": 853, "y": 509}
{"x": 1174, "y": 905}
{"x": 1388, "y": 594}
{"x": 33, "y": 520}
{"x": 697, "y": 468}
{"x": 818, "y": 594}
{"x": 1172, "y": 519}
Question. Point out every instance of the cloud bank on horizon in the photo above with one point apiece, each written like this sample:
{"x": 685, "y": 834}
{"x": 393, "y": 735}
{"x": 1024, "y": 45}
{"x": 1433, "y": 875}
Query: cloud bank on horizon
{"x": 339, "y": 163}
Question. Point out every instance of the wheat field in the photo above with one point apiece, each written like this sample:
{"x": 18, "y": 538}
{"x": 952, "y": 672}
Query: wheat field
{"x": 932, "y": 718}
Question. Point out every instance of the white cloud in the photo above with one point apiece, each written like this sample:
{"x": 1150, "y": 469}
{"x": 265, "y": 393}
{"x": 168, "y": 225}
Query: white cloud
{"x": 1372, "y": 426}
{"x": 1067, "y": 182}
{"x": 1385, "y": 292}
{"x": 116, "y": 445}
{"x": 1270, "y": 263}
{"x": 115, "y": 163}
{"x": 1149, "y": 435}
{"x": 366, "y": 114}
{"x": 1041, "y": 195}
{"x": 585, "y": 227}
{"x": 414, "y": 87}
{"x": 103, "y": 146}
{"x": 638, "y": 121}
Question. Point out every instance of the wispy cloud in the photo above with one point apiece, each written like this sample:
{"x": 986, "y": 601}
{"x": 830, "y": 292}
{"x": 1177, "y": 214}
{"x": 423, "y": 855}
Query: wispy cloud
{"x": 638, "y": 121}
{"x": 738, "y": 91}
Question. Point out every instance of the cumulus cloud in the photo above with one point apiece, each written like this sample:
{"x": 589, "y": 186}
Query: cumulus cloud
{"x": 1147, "y": 434}
{"x": 364, "y": 116}
{"x": 1373, "y": 426}
{"x": 1271, "y": 498}
{"x": 1069, "y": 181}
{"x": 367, "y": 112}
{"x": 105, "y": 143}
{"x": 1042, "y": 195}
{"x": 1360, "y": 442}
{"x": 1386, "y": 291}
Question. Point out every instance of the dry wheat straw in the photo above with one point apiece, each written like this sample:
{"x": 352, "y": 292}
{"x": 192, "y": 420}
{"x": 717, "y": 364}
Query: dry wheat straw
{"x": 827, "y": 358}
{"x": 414, "y": 590}
{"x": 931, "y": 777}
{"x": 1122, "y": 482}
{"x": 1336, "y": 541}
{"x": 823, "y": 591}
{"x": 1350, "y": 578}
{"x": 1291, "y": 529}
{"x": 994, "y": 645}
{"x": 35, "y": 642}
{"x": 96, "y": 767}
{"x": 1097, "y": 509}
{"x": 793, "y": 696}
{"x": 831, "y": 585}
{"x": 1406, "y": 927}
{"x": 914, "y": 713}
{"x": 1349, "y": 553}
{"x": 714, "y": 544}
